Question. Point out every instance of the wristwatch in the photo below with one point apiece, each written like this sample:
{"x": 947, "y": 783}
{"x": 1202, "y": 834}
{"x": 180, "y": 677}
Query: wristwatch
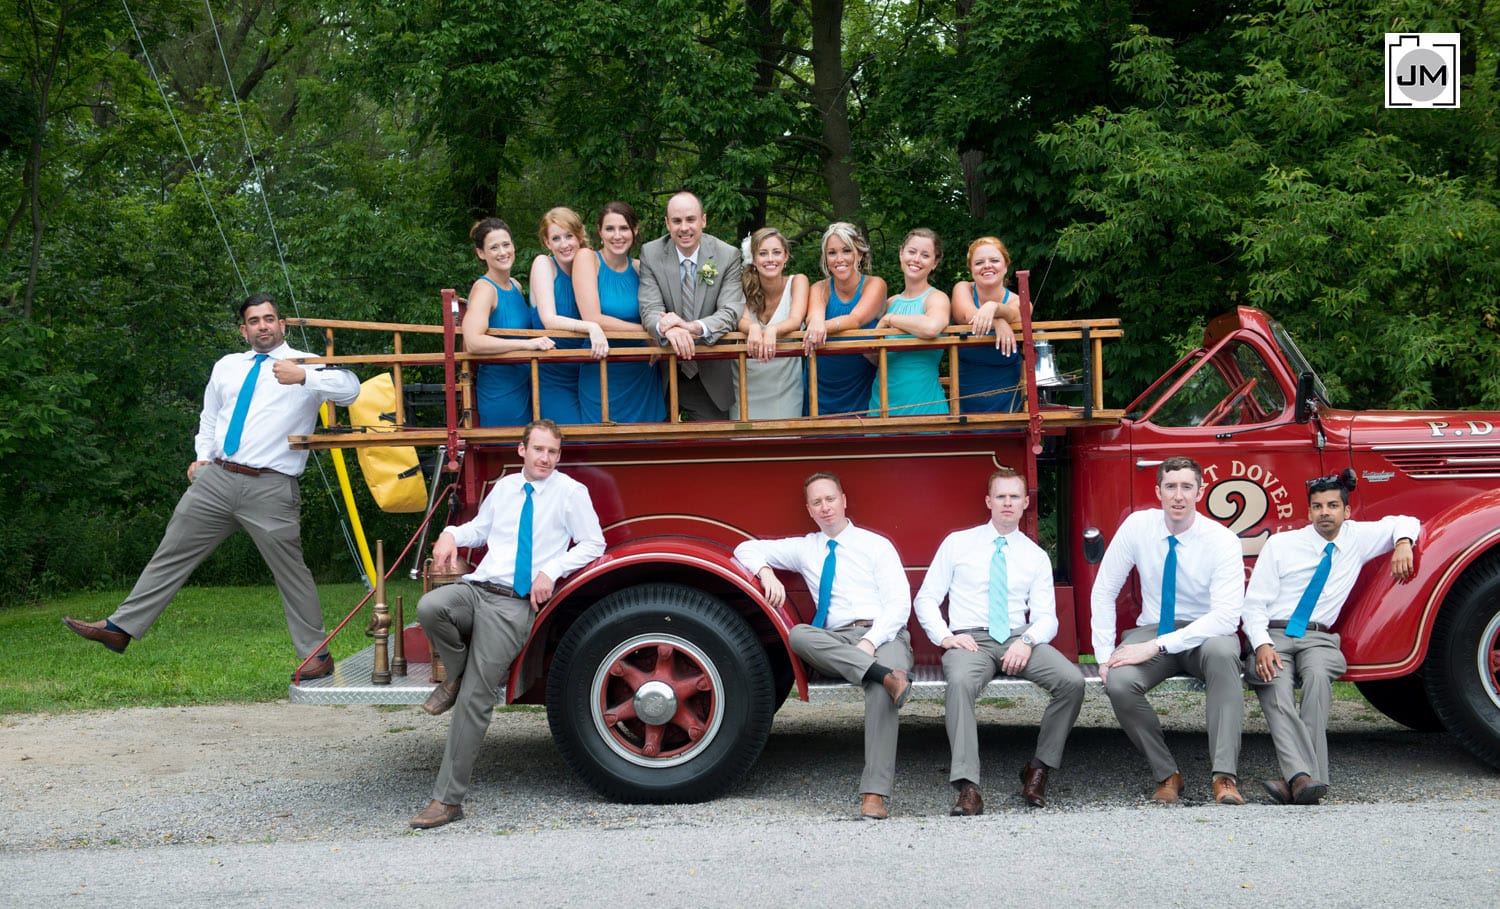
{"x": 1027, "y": 639}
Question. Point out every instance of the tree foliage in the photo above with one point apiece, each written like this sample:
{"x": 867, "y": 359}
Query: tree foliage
{"x": 1148, "y": 159}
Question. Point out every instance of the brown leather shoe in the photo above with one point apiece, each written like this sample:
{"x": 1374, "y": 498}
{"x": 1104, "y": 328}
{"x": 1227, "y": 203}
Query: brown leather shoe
{"x": 970, "y": 802}
{"x": 1034, "y": 783}
{"x": 321, "y": 667}
{"x": 872, "y": 807}
{"x": 1227, "y": 791}
{"x": 1307, "y": 791}
{"x": 897, "y": 686}
{"x": 1280, "y": 792}
{"x": 1169, "y": 790}
{"x": 442, "y": 697}
{"x": 436, "y": 814}
{"x": 98, "y": 631}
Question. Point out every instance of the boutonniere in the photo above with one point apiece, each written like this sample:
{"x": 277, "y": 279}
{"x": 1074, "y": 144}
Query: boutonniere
{"x": 707, "y": 273}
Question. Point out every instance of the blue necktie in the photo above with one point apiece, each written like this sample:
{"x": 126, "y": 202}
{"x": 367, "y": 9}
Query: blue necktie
{"x": 1168, "y": 622}
{"x": 1297, "y": 626}
{"x": 242, "y": 407}
{"x": 999, "y": 594}
{"x": 825, "y": 586}
{"x": 521, "y": 581}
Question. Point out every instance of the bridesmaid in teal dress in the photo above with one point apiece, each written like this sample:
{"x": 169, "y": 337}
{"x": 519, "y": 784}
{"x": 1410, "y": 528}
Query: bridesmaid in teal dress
{"x": 606, "y": 286}
{"x": 502, "y": 391}
{"x": 920, "y": 310}
{"x": 845, "y": 299}
{"x": 554, "y": 308}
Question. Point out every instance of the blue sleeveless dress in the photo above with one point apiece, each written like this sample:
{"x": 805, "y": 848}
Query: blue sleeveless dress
{"x": 635, "y": 394}
{"x": 986, "y": 369}
{"x": 844, "y": 381}
{"x": 911, "y": 377}
{"x": 503, "y": 390}
{"x": 559, "y": 381}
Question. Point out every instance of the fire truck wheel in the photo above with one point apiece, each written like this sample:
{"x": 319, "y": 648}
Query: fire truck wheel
{"x": 1463, "y": 662}
{"x": 1403, "y": 700}
{"x": 660, "y": 693}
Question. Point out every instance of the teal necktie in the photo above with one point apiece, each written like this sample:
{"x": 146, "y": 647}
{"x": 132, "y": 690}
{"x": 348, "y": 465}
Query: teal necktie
{"x": 1297, "y": 626}
{"x": 825, "y": 586}
{"x": 242, "y": 407}
{"x": 999, "y": 594}
{"x": 521, "y": 581}
{"x": 1168, "y": 622}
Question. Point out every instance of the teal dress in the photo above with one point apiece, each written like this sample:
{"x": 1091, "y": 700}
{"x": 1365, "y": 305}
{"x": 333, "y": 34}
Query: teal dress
{"x": 844, "y": 381}
{"x": 503, "y": 390}
{"x": 911, "y": 376}
{"x": 635, "y": 394}
{"x": 989, "y": 380}
{"x": 559, "y": 381}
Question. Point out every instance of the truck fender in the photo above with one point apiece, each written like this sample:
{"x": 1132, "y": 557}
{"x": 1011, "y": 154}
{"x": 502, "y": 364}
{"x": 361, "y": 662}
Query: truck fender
{"x": 1387, "y": 627}
{"x": 692, "y": 554}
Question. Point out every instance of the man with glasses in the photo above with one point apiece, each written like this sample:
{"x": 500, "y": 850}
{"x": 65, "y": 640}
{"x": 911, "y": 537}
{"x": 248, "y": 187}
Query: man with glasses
{"x": 1297, "y": 590}
{"x": 1192, "y": 587}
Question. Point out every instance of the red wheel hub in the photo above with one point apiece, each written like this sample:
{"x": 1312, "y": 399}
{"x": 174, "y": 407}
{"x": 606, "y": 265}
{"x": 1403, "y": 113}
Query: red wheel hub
{"x": 657, "y": 699}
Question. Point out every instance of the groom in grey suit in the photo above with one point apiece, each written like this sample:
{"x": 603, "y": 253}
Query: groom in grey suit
{"x": 691, "y": 294}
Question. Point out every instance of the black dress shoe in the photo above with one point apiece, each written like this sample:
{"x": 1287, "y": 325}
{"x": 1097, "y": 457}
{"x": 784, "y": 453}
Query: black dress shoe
{"x": 98, "y": 631}
{"x": 321, "y": 667}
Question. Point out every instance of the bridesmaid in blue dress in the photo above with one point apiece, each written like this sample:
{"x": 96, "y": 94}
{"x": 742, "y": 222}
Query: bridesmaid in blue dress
{"x": 606, "y": 286}
{"x": 920, "y": 310}
{"x": 502, "y": 391}
{"x": 845, "y": 299}
{"x": 989, "y": 376}
{"x": 554, "y": 308}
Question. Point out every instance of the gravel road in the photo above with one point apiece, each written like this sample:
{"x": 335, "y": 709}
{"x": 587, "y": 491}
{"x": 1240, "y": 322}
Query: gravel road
{"x": 259, "y": 803}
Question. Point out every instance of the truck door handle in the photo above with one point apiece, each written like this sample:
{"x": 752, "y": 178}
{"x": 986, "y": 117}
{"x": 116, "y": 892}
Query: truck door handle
{"x": 1142, "y": 463}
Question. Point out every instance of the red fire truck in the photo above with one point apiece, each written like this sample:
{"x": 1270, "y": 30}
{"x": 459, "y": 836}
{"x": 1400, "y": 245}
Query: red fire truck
{"x": 661, "y": 665}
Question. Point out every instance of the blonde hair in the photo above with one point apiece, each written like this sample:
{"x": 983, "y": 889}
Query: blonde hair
{"x": 755, "y": 292}
{"x": 850, "y": 235}
{"x": 568, "y": 220}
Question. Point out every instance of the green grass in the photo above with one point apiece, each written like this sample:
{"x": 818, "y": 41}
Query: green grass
{"x": 212, "y": 645}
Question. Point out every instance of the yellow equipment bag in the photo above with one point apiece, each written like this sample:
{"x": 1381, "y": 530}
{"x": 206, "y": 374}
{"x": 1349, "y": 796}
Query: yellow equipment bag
{"x": 393, "y": 474}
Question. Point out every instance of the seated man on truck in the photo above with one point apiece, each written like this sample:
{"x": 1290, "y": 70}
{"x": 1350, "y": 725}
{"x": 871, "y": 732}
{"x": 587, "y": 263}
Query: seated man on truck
{"x": 1297, "y": 590}
{"x": 1002, "y": 612}
{"x": 859, "y": 630}
{"x": 540, "y": 526}
{"x": 1192, "y": 589}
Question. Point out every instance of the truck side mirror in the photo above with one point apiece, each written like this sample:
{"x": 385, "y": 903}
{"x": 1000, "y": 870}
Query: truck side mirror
{"x": 1093, "y": 546}
{"x": 1306, "y": 404}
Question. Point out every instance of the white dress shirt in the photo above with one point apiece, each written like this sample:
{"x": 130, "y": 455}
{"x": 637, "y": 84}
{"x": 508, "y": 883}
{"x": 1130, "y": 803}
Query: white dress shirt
{"x": 1210, "y": 580}
{"x": 276, "y": 410}
{"x": 961, "y": 571}
{"x": 869, "y": 584}
{"x": 1288, "y": 560}
{"x": 561, "y": 512}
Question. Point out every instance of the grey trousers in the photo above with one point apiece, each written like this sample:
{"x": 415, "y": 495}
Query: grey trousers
{"x": 218, "y": 503}
{"x": 495, "y": 628}
{"x": 1216, "y": 663}
{"x": 1301, "y": 738}
{"x": 832, "y": 651}
{"x": 693, "y": 397}
{"x": 967, "y": 672}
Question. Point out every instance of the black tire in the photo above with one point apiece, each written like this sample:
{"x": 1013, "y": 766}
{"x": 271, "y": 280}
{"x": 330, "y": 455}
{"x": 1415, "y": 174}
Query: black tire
{"x": 1463, "y": 669}
{"x": 1403, "y": 700}
{"x": 707, "y": 675}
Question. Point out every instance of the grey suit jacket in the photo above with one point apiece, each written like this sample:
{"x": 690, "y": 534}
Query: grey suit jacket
{"x": 718, "y": 305}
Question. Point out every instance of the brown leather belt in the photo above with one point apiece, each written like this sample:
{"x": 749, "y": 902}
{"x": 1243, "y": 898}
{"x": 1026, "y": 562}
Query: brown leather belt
{"x": 247, "y": 471}
{"x": 497, "y": 589}
{"x": 1311, "y": 626}
{"x": 862, "y": 623}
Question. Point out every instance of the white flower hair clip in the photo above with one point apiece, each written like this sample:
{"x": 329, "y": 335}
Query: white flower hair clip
{"x": 745, "y": 255}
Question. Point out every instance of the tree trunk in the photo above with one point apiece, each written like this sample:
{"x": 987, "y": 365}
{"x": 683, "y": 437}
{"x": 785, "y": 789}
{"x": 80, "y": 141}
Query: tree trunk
{"x": 831, "y": 95}
{"x": 970, "y": 154}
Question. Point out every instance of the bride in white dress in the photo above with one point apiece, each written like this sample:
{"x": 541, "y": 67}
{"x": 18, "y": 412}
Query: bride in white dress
{"x": 774, "y": 384}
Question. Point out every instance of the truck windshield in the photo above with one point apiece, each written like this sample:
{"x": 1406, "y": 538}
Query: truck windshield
{"x": 1299, "y": 363}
